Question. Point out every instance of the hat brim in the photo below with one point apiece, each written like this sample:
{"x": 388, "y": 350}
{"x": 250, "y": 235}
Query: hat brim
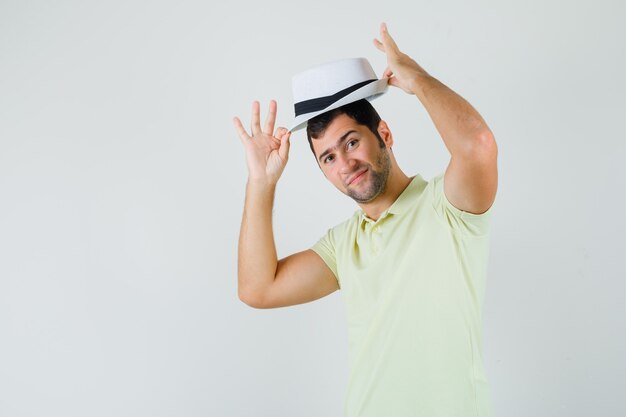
{"x": 369, "y": 92}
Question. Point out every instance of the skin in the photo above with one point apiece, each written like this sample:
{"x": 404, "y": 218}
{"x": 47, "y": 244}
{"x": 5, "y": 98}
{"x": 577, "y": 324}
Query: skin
{"x": 383, "y": 179}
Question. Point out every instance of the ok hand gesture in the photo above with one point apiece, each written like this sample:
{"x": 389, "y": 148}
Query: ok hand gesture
{"x": 266, "y": 154}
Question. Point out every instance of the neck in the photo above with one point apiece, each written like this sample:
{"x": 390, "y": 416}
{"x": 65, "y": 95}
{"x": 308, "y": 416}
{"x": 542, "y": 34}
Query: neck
{"x": 396, "y": 183}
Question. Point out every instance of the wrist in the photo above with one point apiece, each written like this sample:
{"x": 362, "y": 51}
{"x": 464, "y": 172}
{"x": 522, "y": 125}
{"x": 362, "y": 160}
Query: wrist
{"x": 261, "y": 184}
{"x": 421, "y": 83}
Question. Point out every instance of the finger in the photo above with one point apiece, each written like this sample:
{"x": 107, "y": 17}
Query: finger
{"x": 271, "y": 118}
{"x": 283, "y": 151}
{"x": 393, "y": 81}
{"x": 243, "y": 135}
{"x": 386, "y": 38}
{"x": 280, "y": 131}
{"x": 379, "y": 45}
{"x": 388, "y": 72}
{"x": 255, "y": 126}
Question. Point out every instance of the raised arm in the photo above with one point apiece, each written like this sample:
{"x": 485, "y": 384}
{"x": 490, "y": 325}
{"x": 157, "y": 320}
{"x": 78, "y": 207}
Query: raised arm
{"x": 471, "y": 178}
{"x": 263, "y": 280}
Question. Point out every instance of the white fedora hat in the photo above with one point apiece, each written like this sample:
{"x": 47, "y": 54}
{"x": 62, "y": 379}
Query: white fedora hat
{"x": 331, "y": 85}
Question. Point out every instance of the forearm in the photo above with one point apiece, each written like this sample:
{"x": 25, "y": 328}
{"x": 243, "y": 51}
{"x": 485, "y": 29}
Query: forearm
{"x": 461, "y": 127}
{"x": 257, "y": 251}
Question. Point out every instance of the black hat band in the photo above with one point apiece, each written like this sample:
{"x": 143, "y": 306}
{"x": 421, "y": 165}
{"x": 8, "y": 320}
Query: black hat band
{"x": 320, "y": 103}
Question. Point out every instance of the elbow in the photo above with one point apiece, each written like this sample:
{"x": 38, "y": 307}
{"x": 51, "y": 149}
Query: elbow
{"x": 487, "y": 143}
{"x": 250, "y": 300}
{"x": 483, "y": 147}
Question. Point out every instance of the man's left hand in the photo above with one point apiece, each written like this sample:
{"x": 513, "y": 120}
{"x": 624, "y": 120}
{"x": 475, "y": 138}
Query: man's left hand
{"x": 403, "y": 72}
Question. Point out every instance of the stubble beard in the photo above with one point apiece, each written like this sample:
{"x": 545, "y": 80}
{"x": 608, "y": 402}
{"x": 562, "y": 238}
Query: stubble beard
{"x": 378, "y": 180}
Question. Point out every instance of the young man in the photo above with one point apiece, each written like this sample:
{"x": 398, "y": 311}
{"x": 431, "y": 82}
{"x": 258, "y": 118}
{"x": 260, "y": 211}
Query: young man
{"x": 411, "y": 262}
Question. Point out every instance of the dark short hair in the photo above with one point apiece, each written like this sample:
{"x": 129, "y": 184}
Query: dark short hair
{"x": 360, "y": 111}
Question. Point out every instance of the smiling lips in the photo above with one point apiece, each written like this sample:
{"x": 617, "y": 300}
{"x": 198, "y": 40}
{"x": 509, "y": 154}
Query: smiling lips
{"x": 357, "y": 177}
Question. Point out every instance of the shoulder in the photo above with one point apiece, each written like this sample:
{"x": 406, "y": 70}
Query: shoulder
{"x": 460, "y": 221}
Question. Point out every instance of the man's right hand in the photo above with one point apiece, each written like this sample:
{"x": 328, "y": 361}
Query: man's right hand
{"x": 266, "y": 154}
{"x": 263, "y": 280}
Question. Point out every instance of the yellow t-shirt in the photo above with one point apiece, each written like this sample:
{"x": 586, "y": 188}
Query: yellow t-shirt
{"x": 413, "y": 283}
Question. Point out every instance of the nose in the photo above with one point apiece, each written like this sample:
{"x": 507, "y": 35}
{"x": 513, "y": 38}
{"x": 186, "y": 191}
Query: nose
{"x": 347, "y": 165}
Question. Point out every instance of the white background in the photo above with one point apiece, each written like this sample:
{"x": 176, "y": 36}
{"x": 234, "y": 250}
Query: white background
{"x": 122, "y": 183}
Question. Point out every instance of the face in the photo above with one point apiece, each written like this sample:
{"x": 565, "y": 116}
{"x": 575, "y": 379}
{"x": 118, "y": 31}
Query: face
{"x": 351, "y": 158}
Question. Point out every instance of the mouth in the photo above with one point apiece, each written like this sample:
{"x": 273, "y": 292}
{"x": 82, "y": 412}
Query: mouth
{"x": 357, "y": 177}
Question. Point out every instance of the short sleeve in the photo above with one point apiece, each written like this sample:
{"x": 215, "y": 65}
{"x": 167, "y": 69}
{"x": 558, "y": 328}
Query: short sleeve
{"x": 460, "y": 221}
{"x": 325, "y": 248}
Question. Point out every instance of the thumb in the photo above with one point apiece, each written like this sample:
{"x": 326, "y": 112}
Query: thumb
{"x": 283, "y": 150}
{"x": 397, "y": 83}
{"x": 393, "y": 81}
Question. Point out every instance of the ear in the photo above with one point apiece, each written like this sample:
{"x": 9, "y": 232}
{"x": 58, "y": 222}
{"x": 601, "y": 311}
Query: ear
{"x": 385, "y": 133}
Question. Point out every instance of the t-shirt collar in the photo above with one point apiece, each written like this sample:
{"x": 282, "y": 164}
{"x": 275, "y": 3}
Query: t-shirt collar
{"x": 402, "y": 203}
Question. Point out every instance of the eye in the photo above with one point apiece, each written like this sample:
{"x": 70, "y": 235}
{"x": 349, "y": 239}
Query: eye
{"x": 352, "y": 141}
{"x": 326, "y": 159}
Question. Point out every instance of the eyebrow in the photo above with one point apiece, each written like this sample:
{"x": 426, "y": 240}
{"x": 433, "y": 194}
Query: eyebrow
{"x": 338, "y": 144}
